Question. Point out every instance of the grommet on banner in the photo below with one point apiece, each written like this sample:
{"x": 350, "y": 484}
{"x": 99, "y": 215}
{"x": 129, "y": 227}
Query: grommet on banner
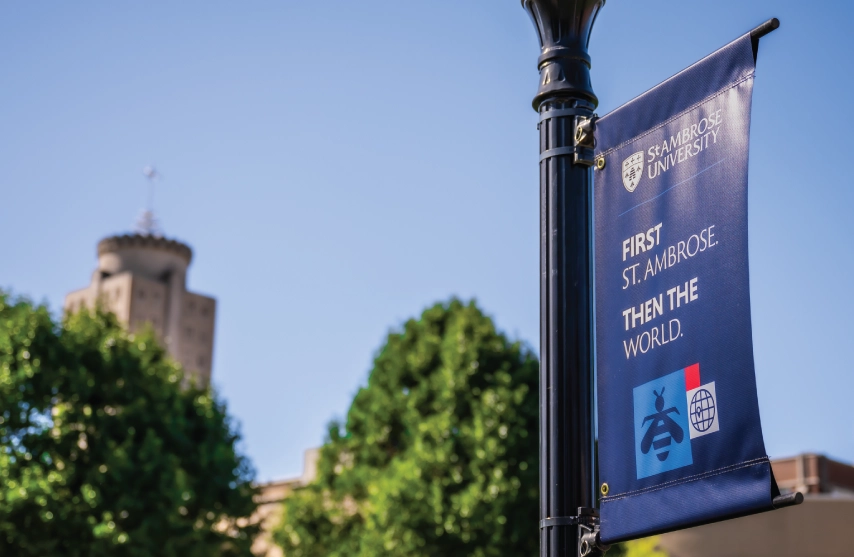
{"x": 604, "y": 489}
{"x": 600, "y": 163}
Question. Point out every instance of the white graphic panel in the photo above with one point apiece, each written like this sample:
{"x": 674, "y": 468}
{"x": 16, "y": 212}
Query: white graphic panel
{"x": 703, "y": 410}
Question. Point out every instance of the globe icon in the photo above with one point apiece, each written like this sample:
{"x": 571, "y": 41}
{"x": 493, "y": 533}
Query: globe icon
{"x": 702, "y": 410}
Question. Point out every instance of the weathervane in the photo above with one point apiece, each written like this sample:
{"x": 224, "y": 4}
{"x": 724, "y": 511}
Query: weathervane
{"x": 147, "y": 223}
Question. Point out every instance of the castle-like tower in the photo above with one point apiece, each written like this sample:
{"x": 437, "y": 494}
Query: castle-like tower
{"x": 142, "y": 279}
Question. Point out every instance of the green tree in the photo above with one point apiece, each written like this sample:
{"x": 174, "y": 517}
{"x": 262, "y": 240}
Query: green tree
{"x": 438, "y": 456}
{"x": 644, "y": 547}
{"x": 105, "y": 451}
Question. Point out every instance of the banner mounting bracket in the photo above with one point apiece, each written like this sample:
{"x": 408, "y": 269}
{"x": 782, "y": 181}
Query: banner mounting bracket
{"x": 587, "y": 520}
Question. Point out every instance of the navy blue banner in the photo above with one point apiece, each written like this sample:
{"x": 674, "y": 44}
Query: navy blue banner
{"x": 680, "y": 442}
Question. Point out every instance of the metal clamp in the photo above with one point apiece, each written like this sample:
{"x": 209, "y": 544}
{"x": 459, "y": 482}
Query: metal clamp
{"x": 589, "y": 544}
{"x": 563, "y": 113}
{"x": 558, "y": 521}
{"x": 583, "y": 140}
{"x": 587, "y": 520}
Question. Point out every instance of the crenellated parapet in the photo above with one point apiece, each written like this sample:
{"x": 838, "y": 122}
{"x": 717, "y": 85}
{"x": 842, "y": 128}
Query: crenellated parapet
{"x": 114, "y": 244}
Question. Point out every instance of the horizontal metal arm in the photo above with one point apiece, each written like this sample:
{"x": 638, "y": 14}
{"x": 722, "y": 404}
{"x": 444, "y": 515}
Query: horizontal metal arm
{"x": 760, "y": 32}
{"x": 765, "y": 28}
{"x": 788, "y": 500}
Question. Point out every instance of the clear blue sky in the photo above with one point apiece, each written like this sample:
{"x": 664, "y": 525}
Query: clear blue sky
{"x": 339, "y": 165}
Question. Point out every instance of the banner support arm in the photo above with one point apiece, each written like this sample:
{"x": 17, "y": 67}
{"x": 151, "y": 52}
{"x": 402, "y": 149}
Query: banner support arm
{"x": 760, "y": 31}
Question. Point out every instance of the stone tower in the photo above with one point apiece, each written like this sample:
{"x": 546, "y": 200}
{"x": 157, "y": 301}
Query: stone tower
{"x": 142, "y": 279}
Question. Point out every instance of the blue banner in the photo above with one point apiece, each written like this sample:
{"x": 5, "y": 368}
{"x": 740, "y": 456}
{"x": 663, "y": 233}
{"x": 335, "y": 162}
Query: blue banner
{"x": 680, "y": 443}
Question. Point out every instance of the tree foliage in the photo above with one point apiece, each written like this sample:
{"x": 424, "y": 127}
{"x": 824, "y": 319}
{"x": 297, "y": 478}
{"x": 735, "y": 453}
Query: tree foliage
{"x": 438, "y": 455}
{"x": 644, "y": 547}
{"x": 104, "y": 452}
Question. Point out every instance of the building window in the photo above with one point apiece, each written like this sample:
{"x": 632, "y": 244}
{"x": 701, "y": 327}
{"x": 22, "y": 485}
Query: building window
{"x": 141, "y": 294}
{"x": 188, "y": 332}
{"x": 200, "y": 361}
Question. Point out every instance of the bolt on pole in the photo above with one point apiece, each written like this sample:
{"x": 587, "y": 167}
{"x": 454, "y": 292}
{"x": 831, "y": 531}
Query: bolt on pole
{"x": 565, "y": 103}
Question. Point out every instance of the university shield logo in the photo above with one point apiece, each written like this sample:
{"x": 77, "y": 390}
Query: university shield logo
{"x": 632, "y": 171}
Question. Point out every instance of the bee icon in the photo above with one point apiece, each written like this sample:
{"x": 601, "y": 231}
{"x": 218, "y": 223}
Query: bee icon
{"x": 662, "y": 429}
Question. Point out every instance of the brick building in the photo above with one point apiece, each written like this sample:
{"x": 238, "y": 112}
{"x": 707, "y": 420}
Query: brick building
{"x": 822, "y": 526}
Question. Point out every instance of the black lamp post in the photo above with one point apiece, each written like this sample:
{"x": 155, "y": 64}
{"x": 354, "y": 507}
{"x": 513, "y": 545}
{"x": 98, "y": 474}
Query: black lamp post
{"x": 565, "y": 102}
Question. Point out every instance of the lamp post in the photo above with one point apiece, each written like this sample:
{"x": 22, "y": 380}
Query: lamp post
{"x": 565, "y": 102}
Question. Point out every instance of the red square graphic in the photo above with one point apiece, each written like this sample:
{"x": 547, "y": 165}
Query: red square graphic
{"x": 692, "y": 377}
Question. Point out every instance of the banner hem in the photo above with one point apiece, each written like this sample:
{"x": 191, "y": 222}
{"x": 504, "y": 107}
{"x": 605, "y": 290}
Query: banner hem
{"x": 682, "y": 481}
